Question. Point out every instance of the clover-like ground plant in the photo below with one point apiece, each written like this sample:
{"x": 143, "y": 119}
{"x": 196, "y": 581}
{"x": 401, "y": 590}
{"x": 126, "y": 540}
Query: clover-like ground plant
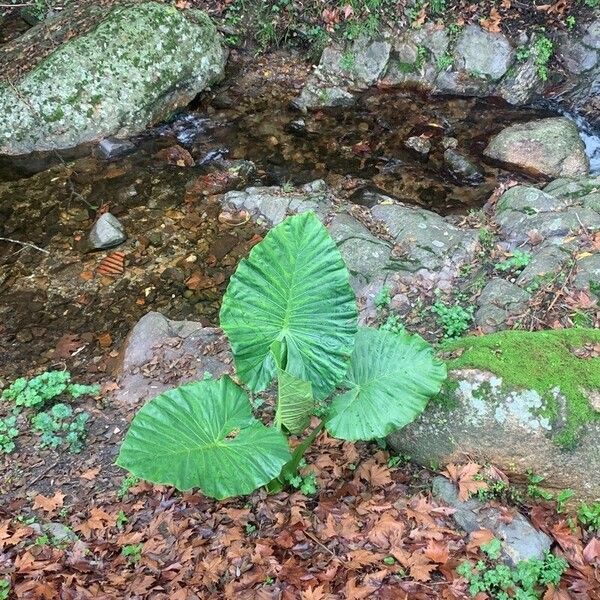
{"x": 289, "y": 314}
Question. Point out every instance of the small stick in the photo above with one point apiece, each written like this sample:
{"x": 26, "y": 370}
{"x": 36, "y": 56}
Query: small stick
{"x": 28, "y": 244}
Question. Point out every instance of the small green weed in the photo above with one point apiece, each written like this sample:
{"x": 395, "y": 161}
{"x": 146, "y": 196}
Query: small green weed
{"x": 4, "y": 589}
{"x": 437, "y": 7}
{"x": 516, "y": 262}
{"x": 570, "y": 22}
{"x": 492, "y": 549}
{"x": 8, "y": 432}
{"x": 122, "y": 519}
{"x": 59, "y": 426}
{"x": 44, "y": 388}
{"x": 307, "y": 484}
{"x": 389, "y": 560}
{"x": 589, "y": 516}
{"x": 444, "y": 61}
{"x": 454, "y": 320}
{"x": 383, "y": 297}
{"x": 393, "y": 324}
{"x": 348, "y": 61}
{"x": 127, "y": 483}
{"x": 527, "y": 580}
{"x": 250, "y": 528}
{"x": 487, "y": 240}
{"x": 533, "y": 487}
{"x": 544, "y": 50}
{"x": 133, "y": 553}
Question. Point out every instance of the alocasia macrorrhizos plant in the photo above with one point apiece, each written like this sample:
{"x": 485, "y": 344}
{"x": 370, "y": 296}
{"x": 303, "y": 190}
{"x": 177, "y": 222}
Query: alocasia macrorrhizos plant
{"x": 289, "y": 313}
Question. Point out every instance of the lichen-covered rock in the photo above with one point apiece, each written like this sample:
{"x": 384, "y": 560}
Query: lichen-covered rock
{"x": 550, "y": 147}
{"x": 482, "y": 53}
{"x": 499, "y": 302}
{"x": 522, "y": 400}
{"x": 523, "y": 209}
{"x": 136, "y": 65}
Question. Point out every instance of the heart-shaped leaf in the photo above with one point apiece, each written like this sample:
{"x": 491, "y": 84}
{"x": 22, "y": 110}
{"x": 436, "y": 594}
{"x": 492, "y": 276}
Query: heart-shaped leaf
{"x": 293, "y": 288}
{"x": 390, "y": 379}
{"x": 204, "y": 435}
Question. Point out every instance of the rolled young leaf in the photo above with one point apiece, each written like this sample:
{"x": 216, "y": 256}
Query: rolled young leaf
{"x": 204, "y": 435}
{"x": 293, "y": 288}
{"x": 390, "y": 379}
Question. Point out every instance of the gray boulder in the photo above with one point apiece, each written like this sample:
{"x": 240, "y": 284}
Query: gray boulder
{"x": 159, "y": 354}
{"x": 499, "y": 302}
{"x": 107, "y": 232}
{"x": 147, "y": 60}
{"x": 482, "y": 53}
{"x": 520, "y": 539}
{"x": 550, "y": 147}
{"x": 524, "y": 401}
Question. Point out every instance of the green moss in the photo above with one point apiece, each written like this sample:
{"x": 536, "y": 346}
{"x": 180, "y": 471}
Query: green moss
{"x": 542, "y": 361}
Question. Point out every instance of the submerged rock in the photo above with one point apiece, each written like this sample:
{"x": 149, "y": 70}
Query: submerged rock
{"x": 131, "y": 65}
{"x": 107, "y": 232}
{"x": 521, "y": 400}
{"x": 463, "y": 168}
{"x": 550, "y": 147}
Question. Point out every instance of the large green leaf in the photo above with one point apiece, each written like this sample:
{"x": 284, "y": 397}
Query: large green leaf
{"x": 294, "y": 287}
{"x": 390, "y": 379}
{"x": 204, "y": 435}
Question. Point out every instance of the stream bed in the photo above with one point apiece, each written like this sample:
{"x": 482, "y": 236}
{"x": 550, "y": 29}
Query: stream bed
{"x": 60, "y": 301}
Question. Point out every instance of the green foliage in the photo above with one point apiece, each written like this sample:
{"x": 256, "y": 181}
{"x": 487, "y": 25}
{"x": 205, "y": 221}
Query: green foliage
{"x": 289, "y": 313}
{"x": 454, "y": 320}
{"x": 8, "y": 432}
{"x": 591, "y": 3}
{"x": 133, "y": 553}
{"x": 562, "y": 498}
{"x": 516, "y": 262}
{"x": 493, "y": 548}
{"x": 127, "y": 483}
{"x": 521, "y": 359}
{"x": 437, "y": 7}
{"x": 589, "y": 516}
{"x": 526, "y": 581}
{"x": 383, "y": 297}
{"x": 543, "y": 50}
{"x": 44, "y": 388}
{"x": 444, "y": 61}
{"x": 122, "y": 519}
{"x": 570, "y": 22}
{"x": 348, "y": 61}
{"x": 59, "y": 426}
{"x": 393, "y": 324}
{"x": 4, "y": 588}
{"x": 487, "y": 240}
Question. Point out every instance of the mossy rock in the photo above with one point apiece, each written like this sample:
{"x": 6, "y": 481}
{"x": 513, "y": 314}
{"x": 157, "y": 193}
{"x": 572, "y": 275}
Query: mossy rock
{"x": 130, "y": 65}
{"x": 523, "y": 401}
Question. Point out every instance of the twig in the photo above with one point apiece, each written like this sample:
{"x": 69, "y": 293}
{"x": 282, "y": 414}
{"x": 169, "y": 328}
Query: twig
{"x": 28, "y": 244}
{"x": 42, "y": 474}
{"x": 316, "y": 541}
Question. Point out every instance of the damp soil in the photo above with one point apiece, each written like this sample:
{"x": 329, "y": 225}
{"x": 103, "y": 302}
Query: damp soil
{"x": 59, "y": 306}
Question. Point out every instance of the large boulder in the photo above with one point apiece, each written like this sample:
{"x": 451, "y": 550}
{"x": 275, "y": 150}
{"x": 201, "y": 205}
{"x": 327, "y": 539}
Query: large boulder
{"x": 550, "y": 147}
{"x": 97, "y": 71}
{"x": 525, "y": 401}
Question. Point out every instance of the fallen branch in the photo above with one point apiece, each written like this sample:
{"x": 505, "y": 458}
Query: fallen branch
{"x": 28, "y": 244}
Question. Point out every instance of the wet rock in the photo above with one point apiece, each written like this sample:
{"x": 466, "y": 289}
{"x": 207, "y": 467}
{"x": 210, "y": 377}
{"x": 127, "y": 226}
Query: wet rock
{"x": 547, "y": 261}
{"x": 550, "y": 147}
{"x": 315, "y": 95}
{"x": 424, "y": 240}
{"x": 588, "y": 274}
{"x": 499, "y": 302}
{"x": 176, "y": 156}
{"x": 577, "y": 57}
{"x": 522, "y": 209}
{"x": 432, "y": 37}
{"x": 159, "y": 354}
{"x": 297, "y": 126}
{"x": 419, "y": 144}
{"x": 462, "y": 167}
{"x": 149, "y": 59}
{"x": 520, "y": 540}
{"x": 482, "y": 53}
{"x": 271, "y": 204}
{"x": 592, "y": 35}
{"x": 114, "y": 148}
{"x": 484, "y": 414}
{"x": 370, "y": 60}
{"x": 522, "y": 83}
{"x": 107, "y": 232}
{"x": 461, "y": 83}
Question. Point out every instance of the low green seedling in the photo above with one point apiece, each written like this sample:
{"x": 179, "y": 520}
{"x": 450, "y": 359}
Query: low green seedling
{"x": 59, "y": 426}
{"x": 453, "y": 319}
{"x": 8, "y": 433}
{"x": 290, "y": 315}
{"x": 133, "y": 553}
{"x": 516, "y": 262}
{"x": 122, "y": 519}
{"x": 42, "y": 389}
{"x": 589, "y": 516}
{"x": 127, "y": 483}
{"x": 4, "y": 588}
{"x": 383, "y": 297}
{"x": 528, "y": 580}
